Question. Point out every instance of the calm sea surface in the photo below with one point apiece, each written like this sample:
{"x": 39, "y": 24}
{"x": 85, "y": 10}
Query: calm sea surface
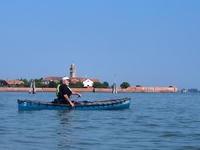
{"x": 155, "y": 121}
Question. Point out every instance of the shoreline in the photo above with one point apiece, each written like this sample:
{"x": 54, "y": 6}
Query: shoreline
{"x": 108, "y": 90}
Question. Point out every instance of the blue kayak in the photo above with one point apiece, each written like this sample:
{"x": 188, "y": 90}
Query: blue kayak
{"x": 123, "y": 103}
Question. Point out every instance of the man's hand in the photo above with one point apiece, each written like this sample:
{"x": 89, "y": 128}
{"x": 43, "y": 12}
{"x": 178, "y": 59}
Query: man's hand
{"x": 72, "y": 104}
{"x": 79, "y": 95}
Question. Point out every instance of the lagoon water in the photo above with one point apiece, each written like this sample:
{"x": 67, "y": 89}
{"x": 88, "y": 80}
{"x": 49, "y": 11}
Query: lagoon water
{"x": 154, "y": 121}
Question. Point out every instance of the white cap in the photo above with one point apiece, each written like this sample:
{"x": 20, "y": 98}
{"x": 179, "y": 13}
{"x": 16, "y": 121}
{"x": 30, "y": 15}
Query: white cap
{"x": 65, "y": 78}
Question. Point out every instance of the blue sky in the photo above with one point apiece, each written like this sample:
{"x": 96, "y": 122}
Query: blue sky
{"x": 143, "y": 42}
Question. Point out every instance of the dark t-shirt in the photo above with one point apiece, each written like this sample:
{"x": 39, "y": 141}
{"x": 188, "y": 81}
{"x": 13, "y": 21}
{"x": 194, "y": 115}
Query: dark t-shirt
{"x": 64, "y": 89}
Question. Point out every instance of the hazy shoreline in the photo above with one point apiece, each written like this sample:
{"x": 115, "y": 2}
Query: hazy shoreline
{"x": 130, "y": 89}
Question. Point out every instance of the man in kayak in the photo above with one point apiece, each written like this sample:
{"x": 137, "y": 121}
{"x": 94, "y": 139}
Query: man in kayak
{"x": 64, "y": 92}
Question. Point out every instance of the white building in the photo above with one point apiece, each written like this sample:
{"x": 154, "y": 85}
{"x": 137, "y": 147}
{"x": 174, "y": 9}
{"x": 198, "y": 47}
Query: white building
{"x": 88, "y": 83}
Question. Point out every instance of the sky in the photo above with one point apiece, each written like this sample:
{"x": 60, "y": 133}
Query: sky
{"x": 142, "y": 42}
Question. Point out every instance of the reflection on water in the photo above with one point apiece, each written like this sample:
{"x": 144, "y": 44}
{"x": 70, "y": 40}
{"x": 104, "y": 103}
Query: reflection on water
{"x": 63, "y": 130}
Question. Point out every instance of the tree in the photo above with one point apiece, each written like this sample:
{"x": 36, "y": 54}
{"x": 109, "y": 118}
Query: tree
{"x": 26, "y": 83}
{"x": 98, "y": 85}
{"x": 106, "y": 85}
{"x": 138, "y": 86}
{"x": 52, "y": 84}
{"x": 125, "y": 85}
{"x": 76, "y": 85}
{"x": 38, "y": 83}
{"x": 193, "y": 90}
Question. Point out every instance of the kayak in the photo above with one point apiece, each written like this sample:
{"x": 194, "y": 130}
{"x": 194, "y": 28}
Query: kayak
{"x": 114, "y": 104}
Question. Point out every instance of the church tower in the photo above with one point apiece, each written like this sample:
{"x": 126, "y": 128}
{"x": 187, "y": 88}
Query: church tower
{"x": 73, "y": 71}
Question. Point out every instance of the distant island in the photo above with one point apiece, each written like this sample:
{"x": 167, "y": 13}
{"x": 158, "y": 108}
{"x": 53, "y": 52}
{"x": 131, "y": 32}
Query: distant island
{"x": 78, "y": 83}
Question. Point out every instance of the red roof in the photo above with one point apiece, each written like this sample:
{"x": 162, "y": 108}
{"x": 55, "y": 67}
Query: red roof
{"x": 14, "y": 82}
{"x": 80, "y": 79}
{"x": 73, "y": 80}
{"x": 52, "y": 78}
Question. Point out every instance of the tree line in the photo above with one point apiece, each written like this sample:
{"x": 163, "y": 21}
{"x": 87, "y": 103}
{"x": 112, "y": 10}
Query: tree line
{"x": 52, "y": 84}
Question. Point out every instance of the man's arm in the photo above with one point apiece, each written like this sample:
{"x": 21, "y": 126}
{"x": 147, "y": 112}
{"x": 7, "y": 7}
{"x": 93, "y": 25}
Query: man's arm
{"x": 68, "y": 99}
{"x": 76, "y": 93}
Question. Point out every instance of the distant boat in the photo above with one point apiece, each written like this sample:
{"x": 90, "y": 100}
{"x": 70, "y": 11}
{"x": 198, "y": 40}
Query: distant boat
{"x": 183, "y": 91}
{"x": 32, "y": 88}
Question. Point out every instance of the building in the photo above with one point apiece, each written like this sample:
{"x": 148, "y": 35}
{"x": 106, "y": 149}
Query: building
{"x": 81, "y": 79}
{"x": 72, "y": 78}
{"x": 11, "y": 83}
{"x": 47, "y": 80}
{"x": 88, "y": 83}
{"x": 75, "y": 79}
{"x": 3, "y": 83}
{"x": 152, "y": 89}
{"x": 73, "y": 71}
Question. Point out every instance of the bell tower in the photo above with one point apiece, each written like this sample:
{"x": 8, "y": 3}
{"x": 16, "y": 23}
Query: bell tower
{"x": 73, "y": 71}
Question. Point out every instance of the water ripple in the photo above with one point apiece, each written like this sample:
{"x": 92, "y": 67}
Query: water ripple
{"x": 155, "y": 121}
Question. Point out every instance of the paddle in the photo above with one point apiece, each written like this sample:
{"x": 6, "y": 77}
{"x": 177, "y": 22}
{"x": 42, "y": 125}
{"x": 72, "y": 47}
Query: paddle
{"x": 76, "y": 100}
{"x": 70, "y": 107}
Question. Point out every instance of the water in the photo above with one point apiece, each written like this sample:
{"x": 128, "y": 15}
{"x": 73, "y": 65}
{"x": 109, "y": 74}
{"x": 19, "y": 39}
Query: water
{"x": 154, "y": 121}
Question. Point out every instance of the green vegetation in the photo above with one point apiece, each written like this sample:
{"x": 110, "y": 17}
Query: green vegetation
{"x": 26, "y": 83}
{"x": 125, "y": 85}
{"x": 101, "y": 85}
{"x": 52, "y": 84}
{"x": 106, "y": 85}
{"x": 138, "y": 86}
{"x": 76, "y": 85}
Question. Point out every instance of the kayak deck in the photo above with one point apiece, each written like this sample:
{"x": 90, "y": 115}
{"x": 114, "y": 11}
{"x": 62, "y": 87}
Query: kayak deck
{"x": 123, "y": 103}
